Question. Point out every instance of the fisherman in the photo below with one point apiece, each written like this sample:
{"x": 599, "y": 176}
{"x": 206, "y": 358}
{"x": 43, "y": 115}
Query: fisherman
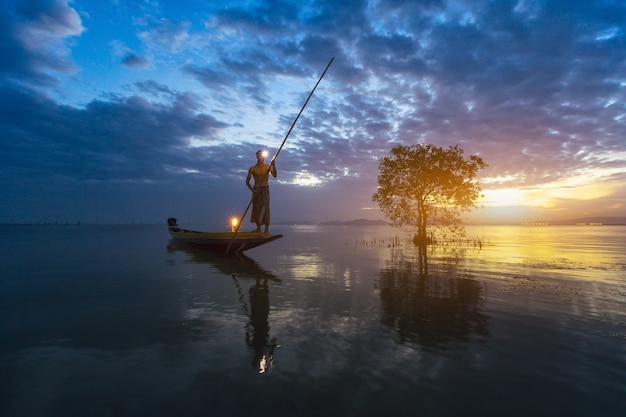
{"x": 260, "y": 191}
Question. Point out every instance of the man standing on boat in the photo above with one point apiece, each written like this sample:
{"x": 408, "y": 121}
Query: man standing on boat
{"x": 260, "y": 191}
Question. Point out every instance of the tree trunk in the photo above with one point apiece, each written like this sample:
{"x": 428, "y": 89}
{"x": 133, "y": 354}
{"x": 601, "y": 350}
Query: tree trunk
{"x": 421, "y": 238}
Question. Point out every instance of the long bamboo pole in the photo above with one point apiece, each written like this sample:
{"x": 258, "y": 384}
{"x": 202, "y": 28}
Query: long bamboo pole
{"x": 269, "y": 167}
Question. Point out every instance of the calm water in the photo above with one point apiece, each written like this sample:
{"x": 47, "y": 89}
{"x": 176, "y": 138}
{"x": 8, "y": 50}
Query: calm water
{"x": 328, "y": 321}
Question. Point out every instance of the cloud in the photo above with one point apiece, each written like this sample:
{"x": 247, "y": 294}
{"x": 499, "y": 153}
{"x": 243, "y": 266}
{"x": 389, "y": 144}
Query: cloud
{"x": 36, "y": 35}
{"x": 135, "y": 61}
{"x": 122, "y": 139}
{"x": 166, "y": 35}
{"x": 536, "y": 88}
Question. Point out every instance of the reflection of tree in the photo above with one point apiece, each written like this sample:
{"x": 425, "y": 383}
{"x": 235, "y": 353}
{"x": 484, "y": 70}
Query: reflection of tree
{"x": 423, "y": 259}
{"x": 436, "y": 309}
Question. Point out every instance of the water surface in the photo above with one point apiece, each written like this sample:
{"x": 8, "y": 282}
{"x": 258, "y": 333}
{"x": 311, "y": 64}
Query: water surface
{"x": 120, "y": 320}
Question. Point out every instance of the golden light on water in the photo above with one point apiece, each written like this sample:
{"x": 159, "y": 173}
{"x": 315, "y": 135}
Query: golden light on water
{"x": 539, "y": 248}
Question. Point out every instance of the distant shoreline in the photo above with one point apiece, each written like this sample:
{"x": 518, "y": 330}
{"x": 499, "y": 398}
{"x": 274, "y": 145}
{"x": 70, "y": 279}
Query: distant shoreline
{"x": 587, "y": 221}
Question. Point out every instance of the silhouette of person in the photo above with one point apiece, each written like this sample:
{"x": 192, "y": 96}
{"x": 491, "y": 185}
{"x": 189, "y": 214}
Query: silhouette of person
{"x": 260, "y": 191}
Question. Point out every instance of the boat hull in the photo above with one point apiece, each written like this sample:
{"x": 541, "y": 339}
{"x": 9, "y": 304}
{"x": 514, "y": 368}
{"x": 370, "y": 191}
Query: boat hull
{"x": 224, "y": 242}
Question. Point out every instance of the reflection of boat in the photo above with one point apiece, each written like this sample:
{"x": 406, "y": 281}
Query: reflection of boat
{"x": 221, "y": 242}
{"x": 240, "y": 266}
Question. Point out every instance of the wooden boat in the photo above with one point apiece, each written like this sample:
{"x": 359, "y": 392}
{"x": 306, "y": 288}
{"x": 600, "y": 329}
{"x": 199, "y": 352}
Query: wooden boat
{"x": 220, "y": 242}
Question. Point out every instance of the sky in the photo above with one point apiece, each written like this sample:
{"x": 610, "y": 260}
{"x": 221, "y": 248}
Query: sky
{"x": 115, "y": 111}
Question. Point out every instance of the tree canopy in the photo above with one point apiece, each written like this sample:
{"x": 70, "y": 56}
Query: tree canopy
{"x": 424, "y": 185}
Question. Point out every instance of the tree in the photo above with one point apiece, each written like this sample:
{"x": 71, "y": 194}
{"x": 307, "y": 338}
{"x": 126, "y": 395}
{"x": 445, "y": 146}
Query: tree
{"x": 424, "y": 185}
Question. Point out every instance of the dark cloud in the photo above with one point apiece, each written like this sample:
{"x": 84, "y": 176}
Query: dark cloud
{"x": 127, "y": 139}
{"x": 135, "y": 61}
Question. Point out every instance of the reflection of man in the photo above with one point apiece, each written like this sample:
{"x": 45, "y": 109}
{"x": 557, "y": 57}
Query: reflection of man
{"x": 257, "y": 337}
{"x": 260, "y": 191}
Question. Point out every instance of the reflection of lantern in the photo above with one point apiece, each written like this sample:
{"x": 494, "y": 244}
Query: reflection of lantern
{"x": 262, "y": 365}
{"x": 233, "y": 224}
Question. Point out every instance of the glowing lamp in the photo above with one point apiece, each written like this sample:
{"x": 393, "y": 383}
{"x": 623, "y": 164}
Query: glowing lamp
{"x": 233, "y": 224}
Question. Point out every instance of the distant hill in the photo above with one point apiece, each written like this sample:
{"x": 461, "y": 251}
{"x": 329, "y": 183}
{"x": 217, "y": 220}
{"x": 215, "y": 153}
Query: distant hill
{"x": 591, "y": 220}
